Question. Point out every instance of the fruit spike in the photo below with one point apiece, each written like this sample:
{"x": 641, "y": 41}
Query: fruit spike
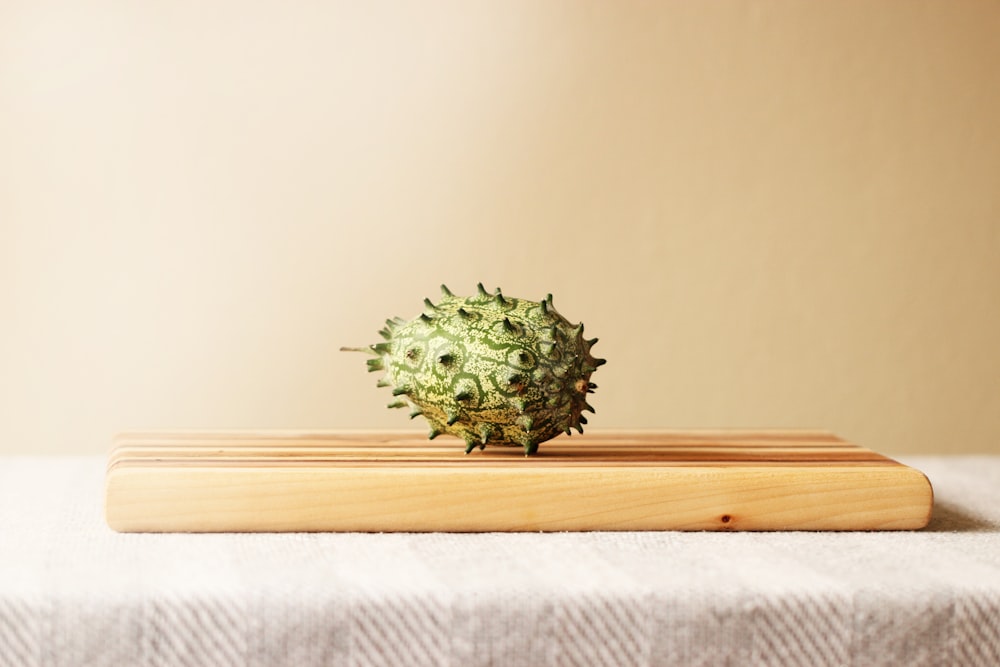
{"x": 488, "y": 369}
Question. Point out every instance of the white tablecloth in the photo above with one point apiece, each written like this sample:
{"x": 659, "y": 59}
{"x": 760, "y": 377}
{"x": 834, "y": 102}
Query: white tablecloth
{"x": 74, "y": 593}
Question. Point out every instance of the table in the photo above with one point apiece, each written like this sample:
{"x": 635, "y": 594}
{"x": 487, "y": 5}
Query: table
{"x": 73, "y": 592}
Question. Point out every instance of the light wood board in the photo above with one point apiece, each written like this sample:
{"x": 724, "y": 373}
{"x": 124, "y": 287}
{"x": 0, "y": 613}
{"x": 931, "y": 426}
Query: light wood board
{"x": 400, "y": 481}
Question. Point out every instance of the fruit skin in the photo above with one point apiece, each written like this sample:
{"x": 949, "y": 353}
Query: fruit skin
{"x": 488, "y": 369}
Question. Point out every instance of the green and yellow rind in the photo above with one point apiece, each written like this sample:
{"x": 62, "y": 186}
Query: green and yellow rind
{"x": 489, "y": 369}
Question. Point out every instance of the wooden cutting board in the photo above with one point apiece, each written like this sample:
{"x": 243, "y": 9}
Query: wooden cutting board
{"x": 400, "y": 481}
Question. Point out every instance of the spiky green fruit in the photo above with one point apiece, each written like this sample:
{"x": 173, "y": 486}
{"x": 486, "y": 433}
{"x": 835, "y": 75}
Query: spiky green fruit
{"x": 489, "y": 369}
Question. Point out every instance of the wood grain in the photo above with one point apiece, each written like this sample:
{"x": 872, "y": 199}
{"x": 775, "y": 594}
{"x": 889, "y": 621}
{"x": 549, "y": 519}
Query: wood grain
{"x": 400, "y": 481}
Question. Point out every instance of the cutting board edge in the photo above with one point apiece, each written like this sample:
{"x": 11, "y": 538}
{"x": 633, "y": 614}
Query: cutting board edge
{"x": 693, "y": 498}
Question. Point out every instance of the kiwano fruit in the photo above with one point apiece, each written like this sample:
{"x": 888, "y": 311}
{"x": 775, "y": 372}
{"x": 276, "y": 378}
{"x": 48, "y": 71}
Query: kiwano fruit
{"x": 488, "y": 369}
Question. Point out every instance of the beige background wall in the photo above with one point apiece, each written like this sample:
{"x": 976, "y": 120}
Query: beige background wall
{"x": 772, "y": 213}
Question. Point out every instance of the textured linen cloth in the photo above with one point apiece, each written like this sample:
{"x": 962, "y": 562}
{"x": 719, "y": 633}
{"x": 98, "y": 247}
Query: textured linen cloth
{"x": 75, "y": 593}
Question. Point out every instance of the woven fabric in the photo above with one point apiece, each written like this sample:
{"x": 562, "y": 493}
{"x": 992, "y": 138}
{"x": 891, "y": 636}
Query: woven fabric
{"x": 74, "y": 593}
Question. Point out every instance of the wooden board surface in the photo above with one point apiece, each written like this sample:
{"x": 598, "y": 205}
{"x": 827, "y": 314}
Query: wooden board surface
{"x": 400, "y": 481}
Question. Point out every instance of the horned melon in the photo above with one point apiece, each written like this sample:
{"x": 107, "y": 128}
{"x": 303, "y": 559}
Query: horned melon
{"x": 488, "y": 369}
